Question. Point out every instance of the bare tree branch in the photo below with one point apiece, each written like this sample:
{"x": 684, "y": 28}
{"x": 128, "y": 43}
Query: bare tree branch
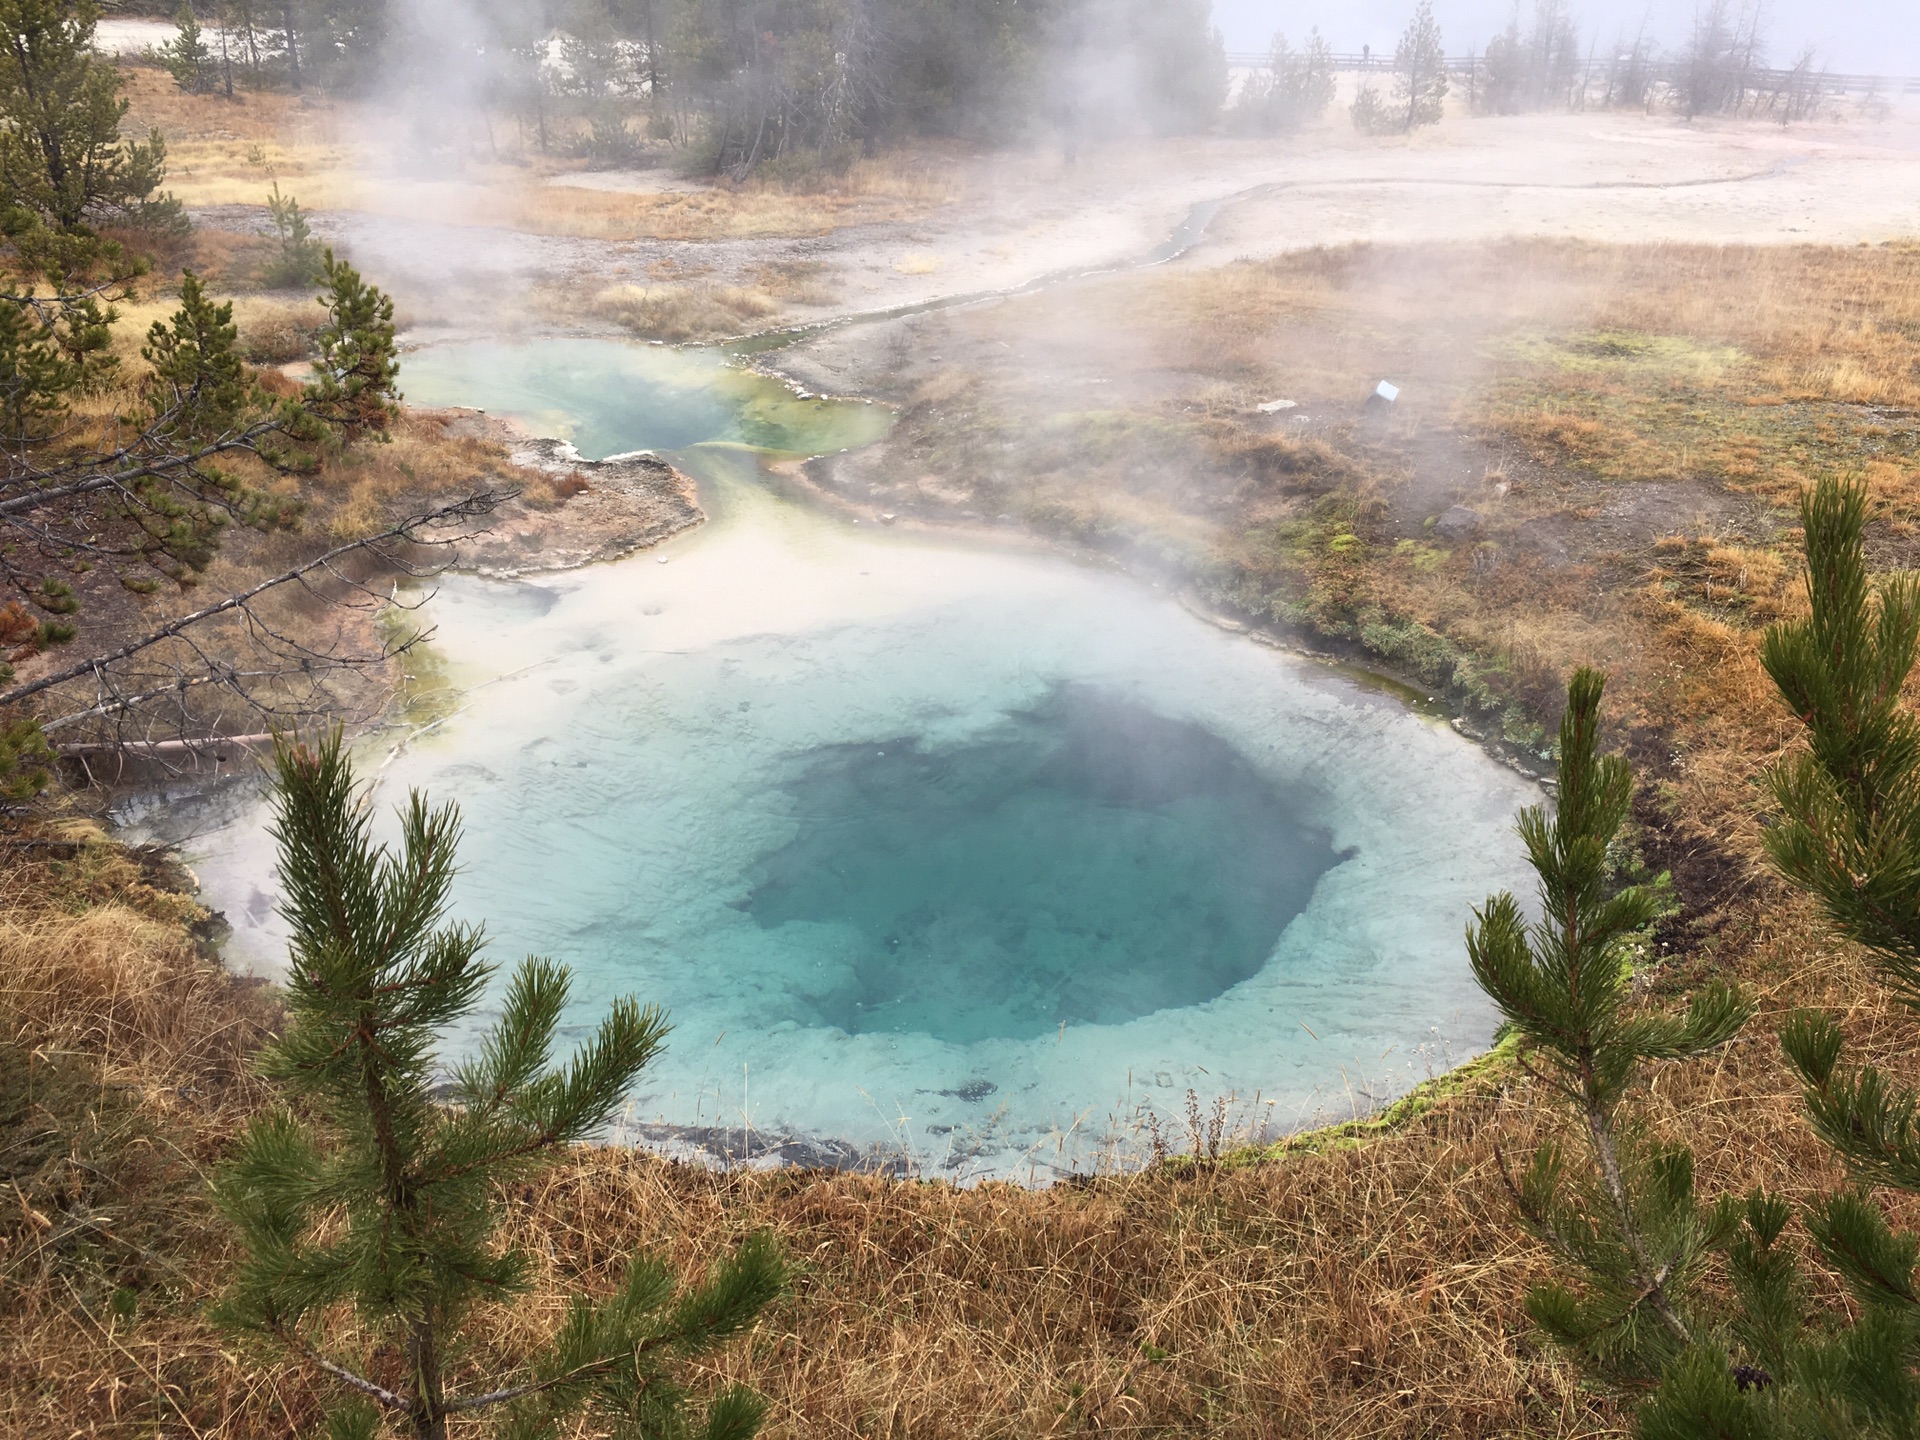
{"x": 470, "y": 507}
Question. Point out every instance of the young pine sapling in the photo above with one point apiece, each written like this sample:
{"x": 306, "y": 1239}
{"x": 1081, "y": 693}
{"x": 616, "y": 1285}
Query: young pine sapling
{"x": 1627, "y": 1226}
{"x": 1846, "y": 831}
{"x": 186, "y": 56}
{"x": 372, "y": 1191}
{"x": 353, "y": 377}
{"x": 298, "y": 262}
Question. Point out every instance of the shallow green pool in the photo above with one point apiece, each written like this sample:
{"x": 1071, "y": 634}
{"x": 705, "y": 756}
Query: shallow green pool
{"x": 609, "y": 396}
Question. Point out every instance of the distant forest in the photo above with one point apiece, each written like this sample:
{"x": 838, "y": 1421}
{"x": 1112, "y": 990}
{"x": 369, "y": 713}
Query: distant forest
{"x": 805, "y": 86}
{"x": 744, "y": 83}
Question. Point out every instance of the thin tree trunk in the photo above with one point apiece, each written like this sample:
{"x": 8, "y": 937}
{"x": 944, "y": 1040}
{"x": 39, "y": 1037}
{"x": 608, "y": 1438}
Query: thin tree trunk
{"x": 430, "y": 1403}
{"x": 293, "y": 48}
{"x": 1652, "y": 1278}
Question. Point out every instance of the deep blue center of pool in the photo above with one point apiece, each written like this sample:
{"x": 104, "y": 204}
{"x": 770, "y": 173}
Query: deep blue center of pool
{"x": 1087, "y": 862}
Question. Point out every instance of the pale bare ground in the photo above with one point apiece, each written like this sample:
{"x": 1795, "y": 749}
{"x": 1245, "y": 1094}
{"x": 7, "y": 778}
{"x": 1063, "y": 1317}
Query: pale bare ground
{"x": 1017, "y": 218}
{"x": 1600, "y": 177}
{"x": 476, "y": 233}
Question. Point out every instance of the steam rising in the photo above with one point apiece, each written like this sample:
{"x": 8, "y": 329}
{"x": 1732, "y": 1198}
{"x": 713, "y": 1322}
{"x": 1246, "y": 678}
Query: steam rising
{"x": 1867, "y": 38}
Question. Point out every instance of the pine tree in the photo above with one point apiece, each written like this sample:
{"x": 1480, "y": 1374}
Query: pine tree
{"x": 1292, "y": 91}
{"x": 353, "y": 378}
{"x": 1847, "y": 832}
{"x": 1419, "y": 73}
{"x": 1628, "y": 1227}
{"x": 1502, "y": 84}
{"x": 298, "y": 262}
{"x": 1180, "y": 62}
{"x": 186, "y": 56}
{"x": 62, "y": 157}
{"x": 36, "y": 378}
{"x": 147, "y": 502}
{"x": 1368, "y": 111}
{"x": 378, "y": 1195}
{"x": 26, "y": 760}
{"x": 197, "y": 387}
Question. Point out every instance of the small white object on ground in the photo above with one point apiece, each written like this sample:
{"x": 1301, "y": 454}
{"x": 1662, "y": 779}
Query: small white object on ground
{"x": 1387, "y": 391}
{"x": 1273, "y": 407}
{"x": 662, "y": 560}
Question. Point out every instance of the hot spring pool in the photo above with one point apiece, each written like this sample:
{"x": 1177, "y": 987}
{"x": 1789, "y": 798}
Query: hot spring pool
{"x": 975, "y": 857}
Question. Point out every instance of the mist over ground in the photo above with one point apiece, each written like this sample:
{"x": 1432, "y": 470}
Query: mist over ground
{"x": 1880, "y": 37}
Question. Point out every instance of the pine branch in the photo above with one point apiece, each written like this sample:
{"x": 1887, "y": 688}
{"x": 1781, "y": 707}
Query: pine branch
{"x": 387, "y": 1398}
{"x": 590, "y": 1370}
{"x": 376, "y": 971}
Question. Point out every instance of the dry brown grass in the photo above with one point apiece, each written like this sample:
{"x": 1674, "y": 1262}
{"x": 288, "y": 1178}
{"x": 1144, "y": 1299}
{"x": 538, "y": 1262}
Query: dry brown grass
{"x": 106, "y": 965}
{"x": 1828, "y": 323}
{"x": 1755, "y": 366}
{"x": 684, "y": 312}
{"x": 891, "y": 189}
{"x": 276, "y": 332}
{"x": 125, "y": 1065}
{"x": 374, "y": 484}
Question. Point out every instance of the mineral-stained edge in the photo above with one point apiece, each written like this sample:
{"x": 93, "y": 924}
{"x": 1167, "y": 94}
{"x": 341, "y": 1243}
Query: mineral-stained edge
{"x": 617, "y": 506}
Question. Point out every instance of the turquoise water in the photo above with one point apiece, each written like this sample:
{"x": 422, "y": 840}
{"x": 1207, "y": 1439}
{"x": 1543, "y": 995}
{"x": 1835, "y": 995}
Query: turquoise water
{"x": 608, "y": 397}
{"x": 972, "y": 858}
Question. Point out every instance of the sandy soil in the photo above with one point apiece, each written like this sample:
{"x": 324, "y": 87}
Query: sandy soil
{"x": 133, "y": 34}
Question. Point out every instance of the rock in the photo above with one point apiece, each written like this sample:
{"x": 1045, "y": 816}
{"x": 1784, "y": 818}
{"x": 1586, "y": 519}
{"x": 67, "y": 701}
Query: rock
{"x": 1456, "y": 523}
{"x": 1273, "y": 407}
{"x": 601, "y": 510}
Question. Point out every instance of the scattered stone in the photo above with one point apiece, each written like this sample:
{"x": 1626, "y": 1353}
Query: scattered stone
{"x": 973, "y": 1092}
{"x": 886, "y": 519}
{"x": 1273, "y": 407}
{"x": 1456, "y": 523}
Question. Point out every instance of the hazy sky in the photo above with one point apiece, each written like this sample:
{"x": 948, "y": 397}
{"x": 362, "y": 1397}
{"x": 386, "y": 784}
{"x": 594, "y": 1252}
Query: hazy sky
{"x": 1880, "y": 37}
